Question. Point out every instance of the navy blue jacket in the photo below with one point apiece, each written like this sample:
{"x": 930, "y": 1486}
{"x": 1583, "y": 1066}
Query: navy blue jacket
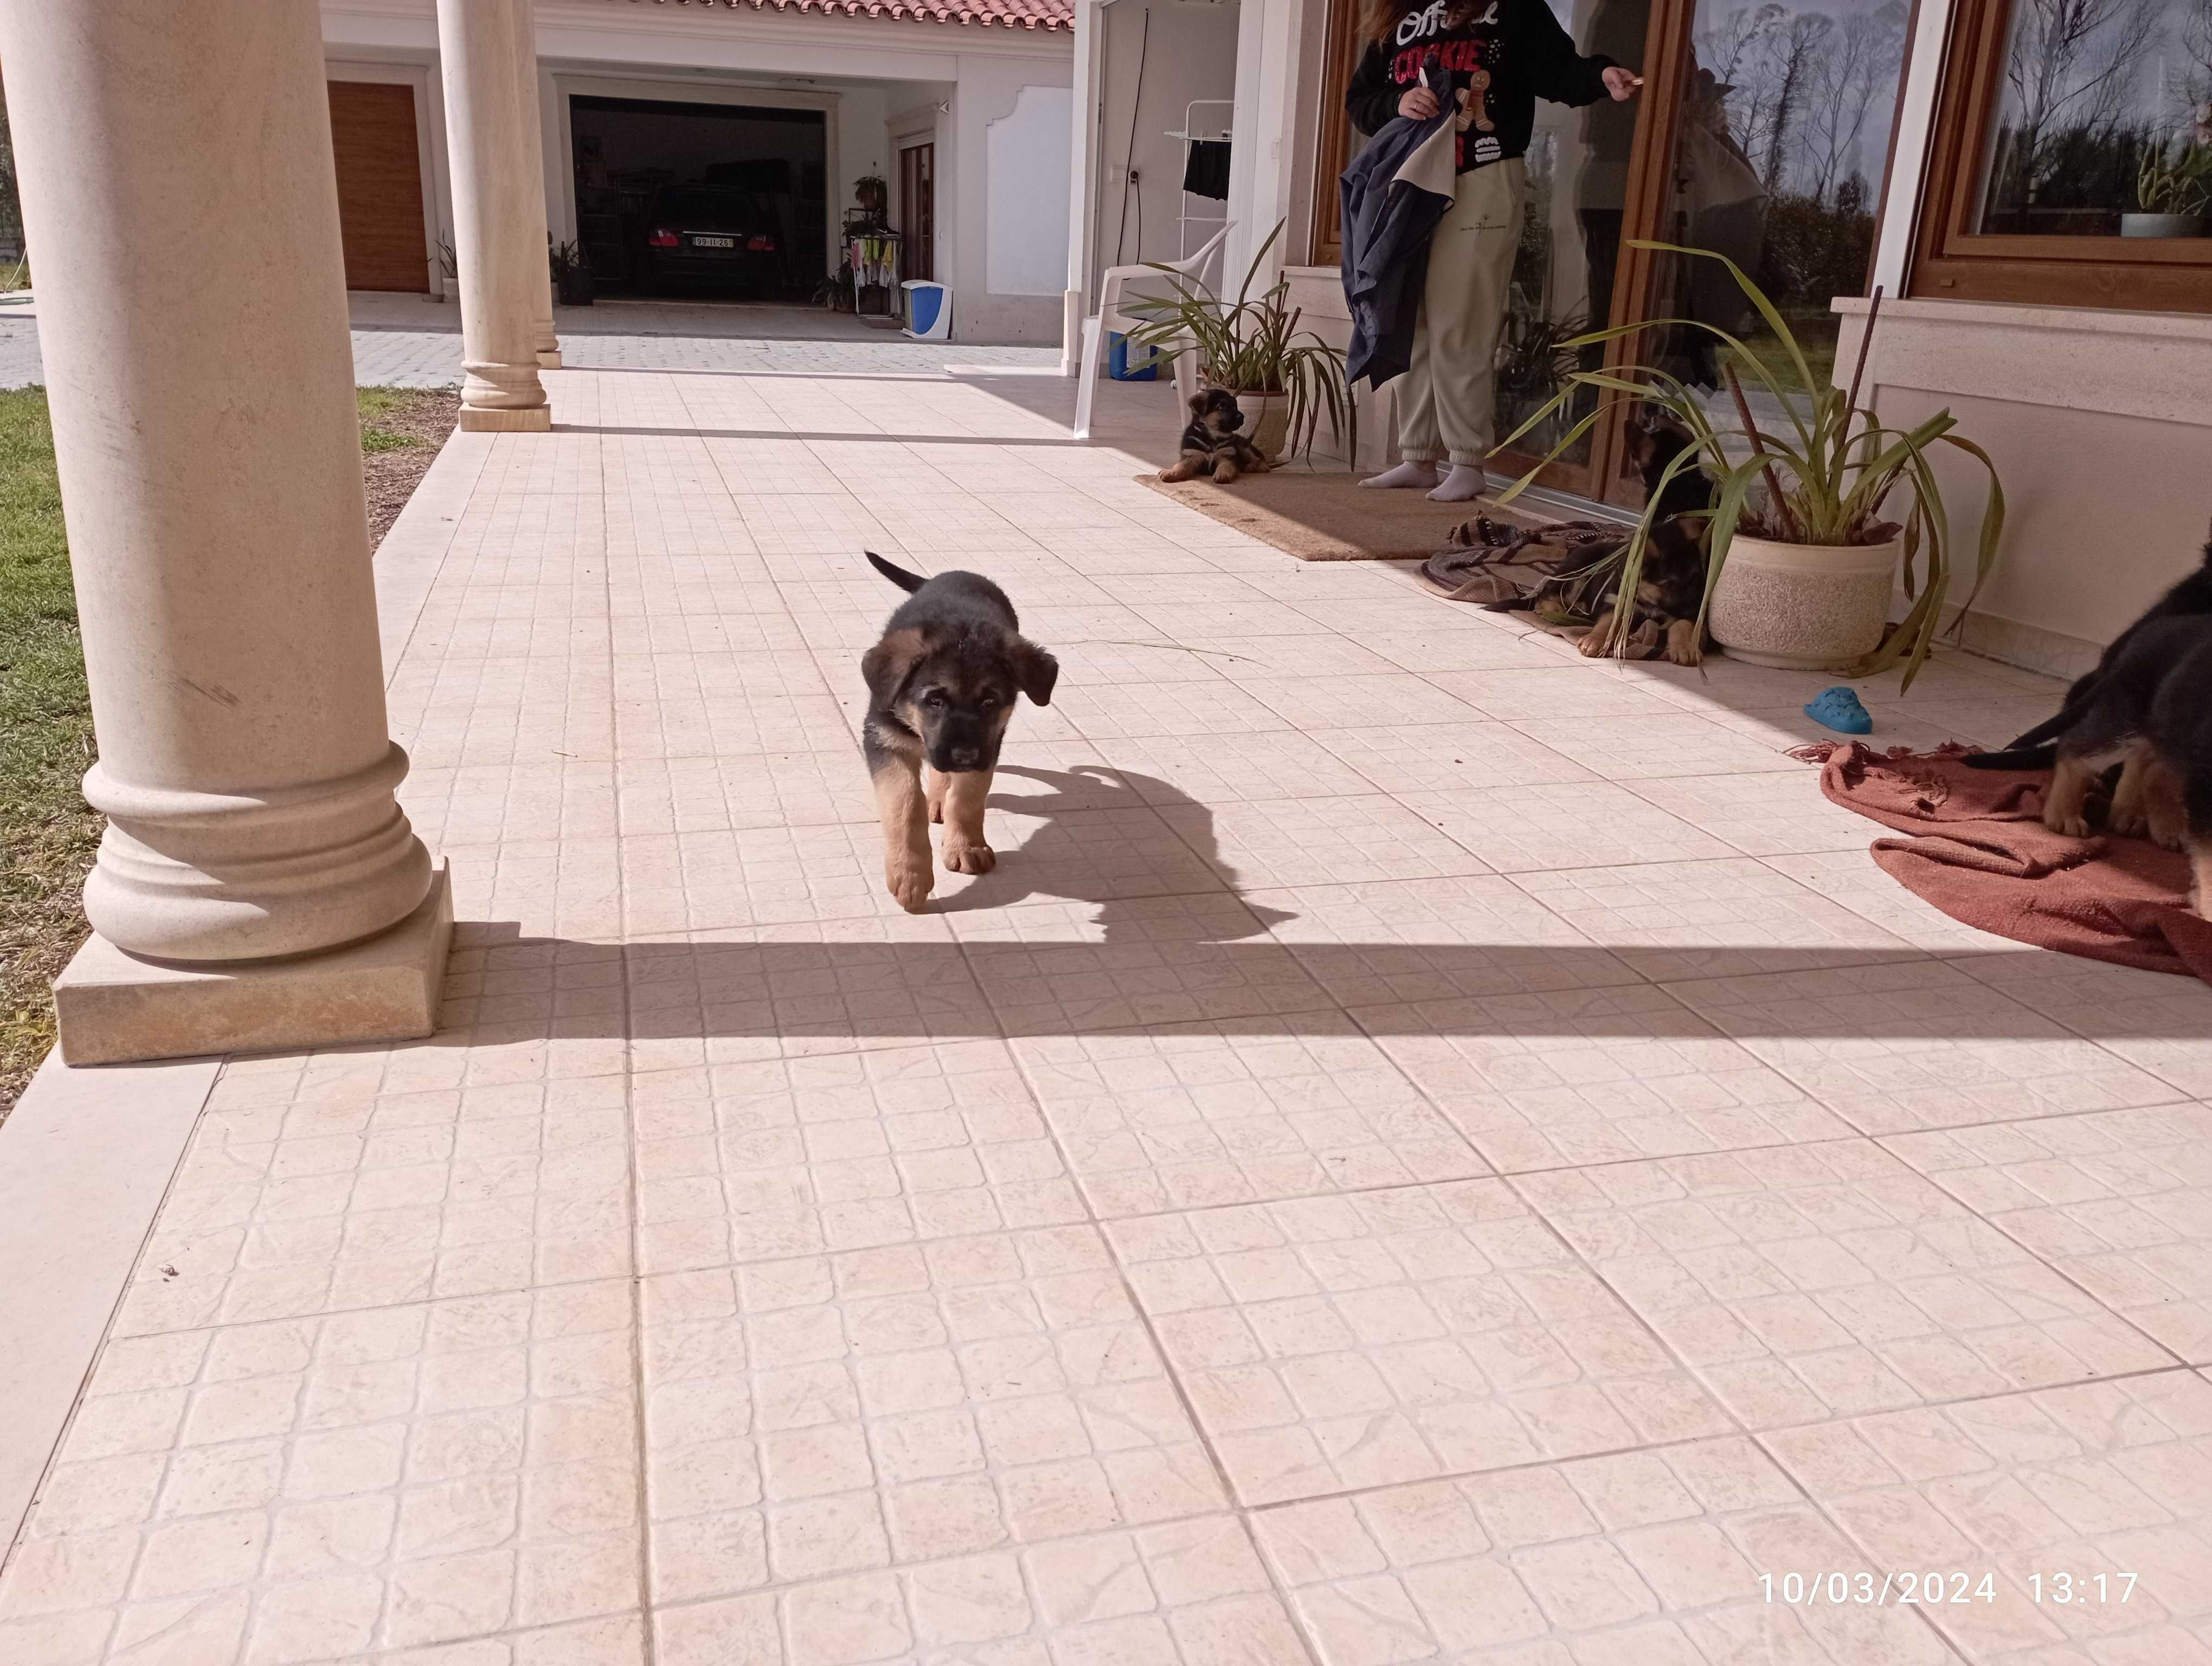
{"x": 1391, "y": 198}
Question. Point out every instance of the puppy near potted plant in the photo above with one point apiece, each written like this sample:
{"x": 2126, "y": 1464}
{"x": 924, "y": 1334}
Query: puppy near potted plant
{"x": 1813, "y": 518}
{"x": 1285, "y": 380}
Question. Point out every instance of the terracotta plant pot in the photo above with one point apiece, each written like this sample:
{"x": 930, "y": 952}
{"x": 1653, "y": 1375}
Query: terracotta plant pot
{"x": 1803, "y": 606}
{"x": 1267, "y": 421}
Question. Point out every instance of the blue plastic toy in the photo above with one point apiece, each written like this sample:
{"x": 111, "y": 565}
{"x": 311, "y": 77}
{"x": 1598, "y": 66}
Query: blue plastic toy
{"x": 1838, "y": 709}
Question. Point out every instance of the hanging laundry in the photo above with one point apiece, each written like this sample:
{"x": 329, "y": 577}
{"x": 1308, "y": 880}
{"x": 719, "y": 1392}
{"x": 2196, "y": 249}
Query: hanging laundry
{"x": 1206, "y": 168}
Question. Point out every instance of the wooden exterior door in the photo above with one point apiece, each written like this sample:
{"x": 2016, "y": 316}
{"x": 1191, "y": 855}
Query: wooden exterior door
{"x": 917, "y": 211}
{"x": 380, "y": 185}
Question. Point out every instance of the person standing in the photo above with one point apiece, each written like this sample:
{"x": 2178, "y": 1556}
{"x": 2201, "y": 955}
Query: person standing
{"x": 1498, "y": 57}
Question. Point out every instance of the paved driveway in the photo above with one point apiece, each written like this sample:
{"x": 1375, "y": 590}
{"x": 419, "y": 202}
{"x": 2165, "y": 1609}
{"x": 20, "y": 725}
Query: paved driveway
{"x": 408, "y": 341}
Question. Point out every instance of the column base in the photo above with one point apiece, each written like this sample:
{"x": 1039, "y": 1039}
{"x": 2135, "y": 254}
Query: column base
{"x": 548, "y": 360}
{"x": 479, "y": 419}
{"x": 115, "y": 1008}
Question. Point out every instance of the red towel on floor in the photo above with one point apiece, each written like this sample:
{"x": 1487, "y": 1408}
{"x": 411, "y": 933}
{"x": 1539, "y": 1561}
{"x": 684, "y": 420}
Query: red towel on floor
{"x": 1983, "y": 856}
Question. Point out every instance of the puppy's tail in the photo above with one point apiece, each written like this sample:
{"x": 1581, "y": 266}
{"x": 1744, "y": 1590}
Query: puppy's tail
{"x": 2036, "y": 748}
{"x": 907, "y": 581}
{"x": 2014, "y": 757}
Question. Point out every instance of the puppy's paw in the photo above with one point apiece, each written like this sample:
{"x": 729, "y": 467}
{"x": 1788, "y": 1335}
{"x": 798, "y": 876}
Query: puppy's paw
{"x": 909, "y": 883}
{"x": 2171, "y": 833}
{"x": 970, "y": 859}
{"x": 1682, "y": 646}
{"x": 1595, "y": 644}
{"x": 2074, "y": 825}
{"x": 2130, "y": 822}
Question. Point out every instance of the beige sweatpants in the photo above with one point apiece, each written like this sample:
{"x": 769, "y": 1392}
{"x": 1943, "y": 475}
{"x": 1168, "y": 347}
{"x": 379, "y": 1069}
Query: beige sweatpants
{"x": 1446, "y": 404}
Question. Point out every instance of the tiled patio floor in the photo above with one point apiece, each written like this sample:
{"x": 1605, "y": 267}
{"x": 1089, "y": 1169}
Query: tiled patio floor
{"x": 1425, "y": 1149}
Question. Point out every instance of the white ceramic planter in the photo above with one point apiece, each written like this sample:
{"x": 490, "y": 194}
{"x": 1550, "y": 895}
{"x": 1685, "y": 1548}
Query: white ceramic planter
{"x": 1803, "y": 606}
{"x": 1267, "y": 421}
{"x": 2161, "y": 225}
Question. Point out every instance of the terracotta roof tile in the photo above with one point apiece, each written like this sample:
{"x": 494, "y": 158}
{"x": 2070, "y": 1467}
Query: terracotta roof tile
{"x": 1008, "y": 13}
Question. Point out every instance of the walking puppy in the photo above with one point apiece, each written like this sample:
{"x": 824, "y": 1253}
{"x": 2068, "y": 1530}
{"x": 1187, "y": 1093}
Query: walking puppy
{"x": 1212, "y": 445}
{"x": 941, "y": 687}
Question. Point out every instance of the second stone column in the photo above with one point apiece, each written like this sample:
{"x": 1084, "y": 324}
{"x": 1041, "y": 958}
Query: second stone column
{"x": 488, "y": 56}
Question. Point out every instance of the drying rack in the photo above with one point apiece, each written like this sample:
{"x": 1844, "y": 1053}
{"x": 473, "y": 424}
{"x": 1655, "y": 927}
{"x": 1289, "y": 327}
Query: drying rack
{"x": 1190, "y": 134}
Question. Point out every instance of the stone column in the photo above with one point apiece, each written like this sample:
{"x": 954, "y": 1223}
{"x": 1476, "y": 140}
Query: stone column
{"x": 210, "y": 471}
{"x": 533, "y": 124}
{"x": 499, "y": 210}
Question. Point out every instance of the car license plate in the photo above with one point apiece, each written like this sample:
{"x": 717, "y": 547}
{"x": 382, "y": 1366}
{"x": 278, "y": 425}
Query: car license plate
{"x": 713, "y": 242}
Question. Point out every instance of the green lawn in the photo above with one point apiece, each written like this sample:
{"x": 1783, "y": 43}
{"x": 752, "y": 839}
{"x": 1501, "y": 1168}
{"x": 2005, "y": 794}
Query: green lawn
{"x": 48, "y": 833}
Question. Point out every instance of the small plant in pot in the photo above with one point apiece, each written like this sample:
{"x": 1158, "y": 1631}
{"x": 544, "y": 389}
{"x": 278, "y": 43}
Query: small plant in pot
{"x": 571, "y": 274}
{"x": 2173, "y": 188}
{"x": 1285, "y": 378}
{"x": 1812, "y": 525}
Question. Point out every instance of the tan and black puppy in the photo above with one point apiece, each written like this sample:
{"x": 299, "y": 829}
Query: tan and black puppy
{"x": 1212, "y": 444}
{"x": 941, "y": 686}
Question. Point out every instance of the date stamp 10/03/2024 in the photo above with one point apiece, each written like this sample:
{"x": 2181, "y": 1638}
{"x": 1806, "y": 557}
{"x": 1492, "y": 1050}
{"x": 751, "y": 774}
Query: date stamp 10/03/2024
{"x": 1931, "y": 1587}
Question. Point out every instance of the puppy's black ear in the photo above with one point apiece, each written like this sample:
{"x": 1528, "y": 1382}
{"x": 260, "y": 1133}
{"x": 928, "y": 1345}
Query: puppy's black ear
{"x": 1037, "y": 671}
{"x": 1198, "y": 403}
{"x": 888, "y": 665}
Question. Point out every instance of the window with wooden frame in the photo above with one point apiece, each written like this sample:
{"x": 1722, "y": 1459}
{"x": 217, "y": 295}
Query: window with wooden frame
{"x": 2071, "y": 160}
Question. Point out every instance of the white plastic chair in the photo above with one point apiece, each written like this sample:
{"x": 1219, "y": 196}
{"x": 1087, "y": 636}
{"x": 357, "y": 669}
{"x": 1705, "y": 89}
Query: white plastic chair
{"x": 1110, "y": 319}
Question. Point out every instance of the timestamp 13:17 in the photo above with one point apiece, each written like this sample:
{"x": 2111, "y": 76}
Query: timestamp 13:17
{"x": 2087, "y": 1588}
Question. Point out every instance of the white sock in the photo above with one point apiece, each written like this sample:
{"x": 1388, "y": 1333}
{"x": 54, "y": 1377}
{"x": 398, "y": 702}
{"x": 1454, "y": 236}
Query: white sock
{"x": 1464, "y": 483}
{"x": 1408, "y": 473}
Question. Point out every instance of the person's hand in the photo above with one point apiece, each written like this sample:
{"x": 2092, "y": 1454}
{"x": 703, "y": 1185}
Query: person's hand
{"x": 1621, "y": 83}
{"x": 1420, "y": 103}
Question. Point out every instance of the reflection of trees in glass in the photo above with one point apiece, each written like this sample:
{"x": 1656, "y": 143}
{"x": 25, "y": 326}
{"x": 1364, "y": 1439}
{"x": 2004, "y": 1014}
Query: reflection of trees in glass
{"x": 2090, "y": 88}
{"x": 1800, "y": 86}
{"x": 2067, "y": 129}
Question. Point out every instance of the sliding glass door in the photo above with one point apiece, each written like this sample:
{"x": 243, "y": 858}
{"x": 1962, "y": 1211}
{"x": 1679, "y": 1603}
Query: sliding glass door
{"x": 1762, "y": 133}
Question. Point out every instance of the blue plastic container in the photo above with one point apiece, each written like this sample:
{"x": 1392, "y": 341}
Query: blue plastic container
{"x": 928, "y": 310}
{"x": 1127, "y": 364}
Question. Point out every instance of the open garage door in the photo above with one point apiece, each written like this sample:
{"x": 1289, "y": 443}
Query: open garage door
{"x": 700, "y": 200}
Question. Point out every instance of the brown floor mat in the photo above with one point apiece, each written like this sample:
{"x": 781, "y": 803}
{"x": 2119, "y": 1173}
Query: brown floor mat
{"x": 1328, "y": 517}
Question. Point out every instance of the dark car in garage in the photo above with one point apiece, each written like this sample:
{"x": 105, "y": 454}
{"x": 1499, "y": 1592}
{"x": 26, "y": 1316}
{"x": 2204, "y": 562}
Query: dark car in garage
{"x": 714, "y": 236}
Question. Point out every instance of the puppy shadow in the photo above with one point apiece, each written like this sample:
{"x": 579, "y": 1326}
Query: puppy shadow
{"x": 1056, "y": 861}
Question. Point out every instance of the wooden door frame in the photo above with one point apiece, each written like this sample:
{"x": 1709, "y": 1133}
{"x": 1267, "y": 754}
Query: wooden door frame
{"x": 1666, "y": 50}
{"x": 1651, "y": 157}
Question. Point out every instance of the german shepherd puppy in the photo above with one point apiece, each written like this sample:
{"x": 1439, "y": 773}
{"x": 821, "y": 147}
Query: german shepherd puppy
{"x": 2035, "y": 749}
{"x": 1671, "y": 588}
{"x": 2152, "y": 706}
{"x": 1212, "y": 444}
{"x": 941, "y": 687}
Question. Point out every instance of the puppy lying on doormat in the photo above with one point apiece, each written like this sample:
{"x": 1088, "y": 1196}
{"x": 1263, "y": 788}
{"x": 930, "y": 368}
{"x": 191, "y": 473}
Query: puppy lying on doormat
{"x": 1212, "y": 444}
{"x": 941, "y": 687}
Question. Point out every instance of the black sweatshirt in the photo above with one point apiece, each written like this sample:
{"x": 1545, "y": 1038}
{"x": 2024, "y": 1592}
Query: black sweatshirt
{"x": 1521, "y": 46}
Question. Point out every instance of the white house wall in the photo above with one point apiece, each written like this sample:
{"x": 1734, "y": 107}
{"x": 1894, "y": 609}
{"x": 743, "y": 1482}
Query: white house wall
{"x": 1181, "y": 50}
{"x": 859, "y": 70}
{"x": 990, "y": 90}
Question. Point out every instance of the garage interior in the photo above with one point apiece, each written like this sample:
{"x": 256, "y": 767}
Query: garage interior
{"x": 626, "y": 152}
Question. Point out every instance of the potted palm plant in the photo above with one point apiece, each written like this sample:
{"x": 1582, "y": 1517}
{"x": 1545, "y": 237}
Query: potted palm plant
{"x": 571, "y": 274}
{"x": 2172, "y": 189}
{"x": 1285, "y": 378}
{"x": 1814, "y": 521}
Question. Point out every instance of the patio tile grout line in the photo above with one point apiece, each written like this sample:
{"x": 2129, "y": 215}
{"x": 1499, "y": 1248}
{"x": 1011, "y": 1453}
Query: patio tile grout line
{"x": 649, "y": 1637}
